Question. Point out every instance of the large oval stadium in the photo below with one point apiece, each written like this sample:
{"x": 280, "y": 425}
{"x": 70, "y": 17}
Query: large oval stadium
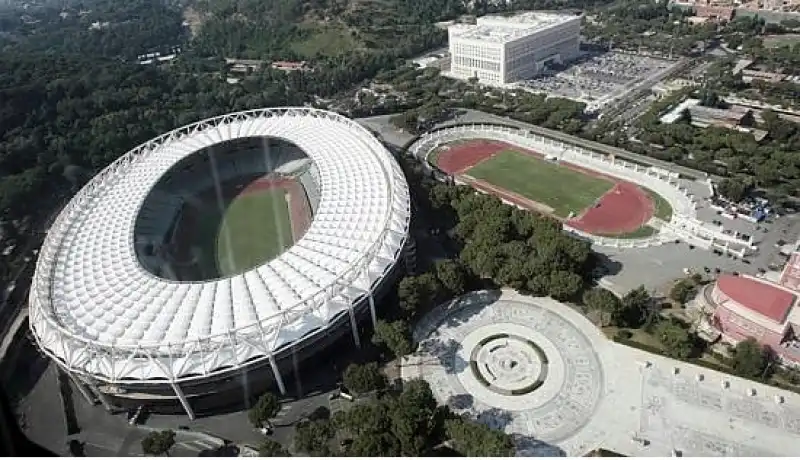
{"x": 221, "y": 249}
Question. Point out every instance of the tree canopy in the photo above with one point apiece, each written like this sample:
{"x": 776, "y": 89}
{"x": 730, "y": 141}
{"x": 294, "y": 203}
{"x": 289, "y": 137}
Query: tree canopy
{"x": 264, "y": 409}
{"x": 395, "y": 335}
{"x": 678, "y": 342}
{"x": 272, "y": 448}
{"x": 604, "y": 302}
{"x": 513, "y": 247}
{"x": 409, "y": 423}
{"x": 473, "y": 439}
{"x": 750, "y": 358}
{"x": 158, "y": 442}
{"x": 683, "y": 291}
{"x": 363, "y": 378}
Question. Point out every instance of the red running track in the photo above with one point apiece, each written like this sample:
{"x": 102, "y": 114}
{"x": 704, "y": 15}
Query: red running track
{"x": 623, "y": 209}
{"x": 460, "y": 157}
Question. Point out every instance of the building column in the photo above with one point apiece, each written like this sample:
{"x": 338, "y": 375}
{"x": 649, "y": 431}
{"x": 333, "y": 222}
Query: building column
{"x": 81, "y": 388}
{"x": 298, "y": 382}
{"x": 184, "y": 401}
{"x": 354, "y": 326}
{"x": 372, "y": 311}
{"x": 100, "y": 395}
{"x": 277, "y": 373}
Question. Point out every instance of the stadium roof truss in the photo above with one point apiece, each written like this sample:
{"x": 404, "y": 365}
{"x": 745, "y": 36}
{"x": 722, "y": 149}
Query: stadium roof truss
{"x": 102, "y": 316}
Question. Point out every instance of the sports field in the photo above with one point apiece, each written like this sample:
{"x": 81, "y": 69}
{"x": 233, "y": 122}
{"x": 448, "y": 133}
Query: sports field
{"x": 599, "y": 204}
{"x": 255, "y": 221}
{"x": 562, "y": 189}
{"x": 256, "y": 227}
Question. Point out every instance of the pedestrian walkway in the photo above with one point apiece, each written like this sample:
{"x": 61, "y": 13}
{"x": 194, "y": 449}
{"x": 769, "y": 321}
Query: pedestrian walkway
{"x": 544, "y": 373}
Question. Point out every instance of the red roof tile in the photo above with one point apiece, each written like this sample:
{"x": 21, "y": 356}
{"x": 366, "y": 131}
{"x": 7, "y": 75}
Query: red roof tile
{"x": 760, "y": 297}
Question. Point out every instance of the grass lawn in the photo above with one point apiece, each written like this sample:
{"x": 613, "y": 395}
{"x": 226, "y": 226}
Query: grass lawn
{"x": 548, "y": 183}
{"x": 663, "y": 208}
{"x": 641, "y": 232}
{"x": 256, "y": 227}
{"x": 638, "y": 336}
{"x": 326, "y": 40}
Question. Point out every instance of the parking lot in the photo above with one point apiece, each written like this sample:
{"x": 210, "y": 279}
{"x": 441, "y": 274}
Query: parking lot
{"x": 656, "y": 267}
{"x": 599, "y": 78}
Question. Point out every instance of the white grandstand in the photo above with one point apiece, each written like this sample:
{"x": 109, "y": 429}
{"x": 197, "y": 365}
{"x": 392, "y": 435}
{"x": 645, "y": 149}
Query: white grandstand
{"x": 116, "y": 327}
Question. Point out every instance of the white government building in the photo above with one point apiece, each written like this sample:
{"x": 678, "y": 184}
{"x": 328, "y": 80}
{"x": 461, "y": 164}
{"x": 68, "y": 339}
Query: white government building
{"x": 501, "y": 50}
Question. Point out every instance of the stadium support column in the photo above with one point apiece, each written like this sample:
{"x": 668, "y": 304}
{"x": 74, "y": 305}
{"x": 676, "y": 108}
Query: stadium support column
{"x": 372, "y": 312}
{"x": 81, "y": 388}
{"x": 354, "y": 326}
{"x": 184, "y": 401}
{"x": 100, "y": 395}
{"x": 277, "y": 373}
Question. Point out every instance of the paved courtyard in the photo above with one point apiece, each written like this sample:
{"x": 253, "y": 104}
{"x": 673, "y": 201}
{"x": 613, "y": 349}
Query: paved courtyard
{"x": 539, "y": 370}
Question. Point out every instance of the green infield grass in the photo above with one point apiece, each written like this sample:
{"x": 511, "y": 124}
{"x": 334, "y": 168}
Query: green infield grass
{"x": 256, "y": 227}
{"x": 548, "y": 183}
{"x": 663, "y": 209}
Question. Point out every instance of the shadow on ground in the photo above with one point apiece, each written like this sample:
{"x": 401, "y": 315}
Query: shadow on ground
{"x": 528, "y": 446}
{"x": 446, "y": 354}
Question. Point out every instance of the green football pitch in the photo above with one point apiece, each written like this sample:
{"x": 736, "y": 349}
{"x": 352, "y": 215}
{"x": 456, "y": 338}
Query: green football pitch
{"x": 562, "y": 189}
{"x": 255, "y": 228}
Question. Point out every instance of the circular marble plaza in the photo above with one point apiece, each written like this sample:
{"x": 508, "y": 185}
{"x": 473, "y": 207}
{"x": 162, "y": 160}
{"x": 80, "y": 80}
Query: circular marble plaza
{"x": 516, "y": 363}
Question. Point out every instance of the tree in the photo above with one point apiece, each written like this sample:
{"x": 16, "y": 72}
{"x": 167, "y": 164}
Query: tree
{"x": 362, "y": 379}
{"x": 734, "y": 190}
{"x": 678, "y": 342}
{"x": 636, "y": 305}
{"x": 419, "y": 293}
{"x": 564, "y": 285}
{"x": 369, "y": 425}
{"x": 158, "y": 442}
{"x": 396, "y": 336}
{"x": 412, "y": 417}
{"x": 314, "y": 437}
{"x": 452, "y": 276}
{"x": 271, "y": 448}
{"x": 265, "y": 408}
{"x": 683, "y": 291}
{"x": 473, "y": 439}
{"x": 374, "y": 445}
{"x": 750, "y": 358}
{"x": 604, "y": 302}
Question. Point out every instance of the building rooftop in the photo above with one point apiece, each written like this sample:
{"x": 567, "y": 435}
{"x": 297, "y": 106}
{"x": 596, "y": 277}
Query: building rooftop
{"x": 503, "y": 29}
{"x": 790, "y": 278}
{"x": 763, "y": 298}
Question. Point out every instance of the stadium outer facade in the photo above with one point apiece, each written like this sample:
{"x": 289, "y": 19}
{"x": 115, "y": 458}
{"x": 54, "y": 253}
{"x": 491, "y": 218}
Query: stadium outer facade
{"x": 127, "y": 337}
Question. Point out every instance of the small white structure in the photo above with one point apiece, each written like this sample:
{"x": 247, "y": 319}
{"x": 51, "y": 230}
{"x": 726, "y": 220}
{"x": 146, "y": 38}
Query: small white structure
{"x": 501, "y": 50}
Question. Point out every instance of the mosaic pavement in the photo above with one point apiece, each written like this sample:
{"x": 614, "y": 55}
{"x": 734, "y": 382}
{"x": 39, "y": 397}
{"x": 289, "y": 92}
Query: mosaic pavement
{"x": 540, "y": 371}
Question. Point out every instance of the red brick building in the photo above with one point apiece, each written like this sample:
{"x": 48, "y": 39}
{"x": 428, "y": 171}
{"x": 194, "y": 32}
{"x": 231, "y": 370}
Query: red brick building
{"x": 745, "y": 307}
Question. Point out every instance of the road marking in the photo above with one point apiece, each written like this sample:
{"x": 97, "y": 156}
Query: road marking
{"x": 199, "y": 445}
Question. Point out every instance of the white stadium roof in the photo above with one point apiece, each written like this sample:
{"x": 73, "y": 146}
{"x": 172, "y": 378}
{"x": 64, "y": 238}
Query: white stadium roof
{"x": 95, "y": 309}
